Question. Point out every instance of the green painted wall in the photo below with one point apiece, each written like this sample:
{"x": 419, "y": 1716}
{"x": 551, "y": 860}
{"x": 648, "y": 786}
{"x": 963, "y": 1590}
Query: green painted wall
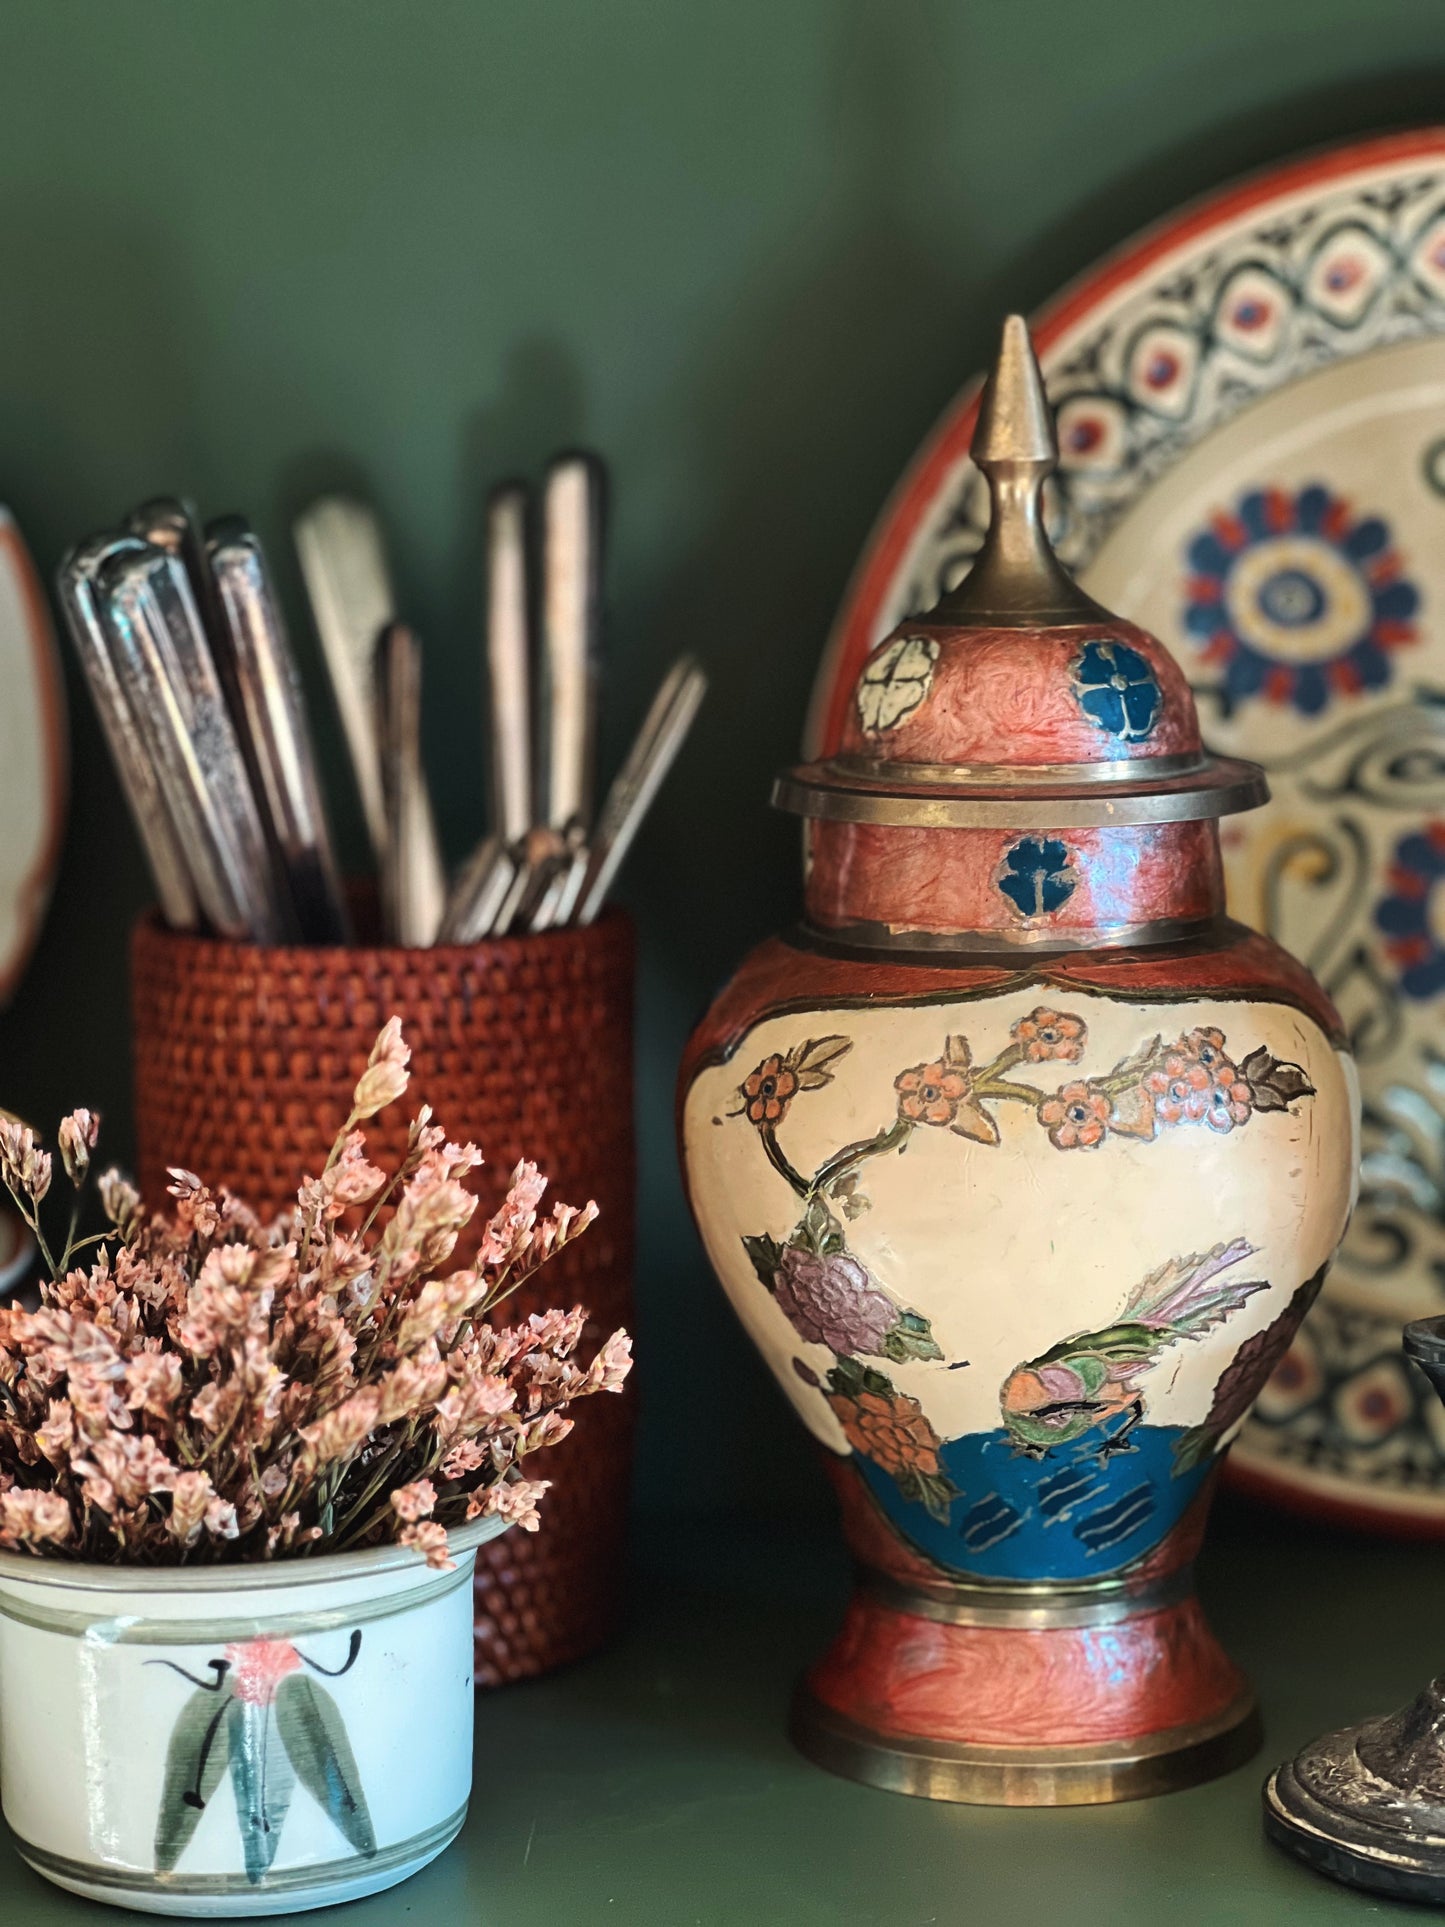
{"x": 746, "y": 250}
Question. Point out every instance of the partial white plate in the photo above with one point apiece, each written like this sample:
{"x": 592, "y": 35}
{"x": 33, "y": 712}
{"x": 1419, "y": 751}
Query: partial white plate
{"x": 32, "y": 756}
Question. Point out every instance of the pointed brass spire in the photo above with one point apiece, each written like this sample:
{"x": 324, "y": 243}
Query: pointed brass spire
{"x": 1017, "y": 582}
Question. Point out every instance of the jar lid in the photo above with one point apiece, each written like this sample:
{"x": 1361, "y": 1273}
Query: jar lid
{"x": 1018, "y": 700}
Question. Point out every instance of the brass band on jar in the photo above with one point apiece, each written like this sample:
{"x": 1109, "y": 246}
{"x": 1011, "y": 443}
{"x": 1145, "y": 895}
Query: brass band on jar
{"x": 1040, "y": 1606}
{"x": 866, "y": 942}
{"x": 881, "y": 772}
{"x": 1221, "y": 787}
{"x": 1028, "y": 1776}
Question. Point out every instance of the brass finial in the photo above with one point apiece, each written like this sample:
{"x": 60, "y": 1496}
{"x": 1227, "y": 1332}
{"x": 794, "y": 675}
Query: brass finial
{"x": 1017, "y": 582}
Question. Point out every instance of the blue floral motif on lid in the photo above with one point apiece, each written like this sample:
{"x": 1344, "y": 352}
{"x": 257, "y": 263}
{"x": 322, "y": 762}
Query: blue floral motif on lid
{"x": 1037, "y": 876}
{"x": 1117, "y": 689}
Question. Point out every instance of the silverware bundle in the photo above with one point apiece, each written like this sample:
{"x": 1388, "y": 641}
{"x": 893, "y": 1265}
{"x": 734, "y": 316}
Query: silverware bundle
{"x": 183, "y": 643}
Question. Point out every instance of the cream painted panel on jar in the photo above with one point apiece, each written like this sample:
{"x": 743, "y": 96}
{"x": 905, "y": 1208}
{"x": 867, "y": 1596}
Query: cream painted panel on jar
{"x": 1008, "y": 1247}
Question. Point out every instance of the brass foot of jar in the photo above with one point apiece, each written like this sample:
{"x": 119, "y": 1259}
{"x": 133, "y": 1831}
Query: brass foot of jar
{"x": 1027, "y": 1776}
{"x": 1040, "y": 1696}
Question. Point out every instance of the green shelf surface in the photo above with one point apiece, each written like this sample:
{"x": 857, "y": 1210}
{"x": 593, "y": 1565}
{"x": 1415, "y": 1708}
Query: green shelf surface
{"x": 653, "y": 1785}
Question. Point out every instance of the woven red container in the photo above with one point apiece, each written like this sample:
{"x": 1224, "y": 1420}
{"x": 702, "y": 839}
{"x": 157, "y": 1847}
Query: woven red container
{"x": 245, "y": 1060}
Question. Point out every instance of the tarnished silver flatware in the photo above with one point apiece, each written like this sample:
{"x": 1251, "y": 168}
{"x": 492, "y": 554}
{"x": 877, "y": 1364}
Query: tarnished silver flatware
{"x": 272, "y": 721}
{"x": 343, "y": 558}
{"x": 571, "y": 589}
{"x": 165, "y": 669}
{"x": 479, "y": 892}
{"x": 171, "y": 523}
{"x": 343, "y": 562}
{"x": 654, "y": 750}
{"x": 76, "y": 582}
{"x": 509, "y": 672}
{"x": 409, "y": 899}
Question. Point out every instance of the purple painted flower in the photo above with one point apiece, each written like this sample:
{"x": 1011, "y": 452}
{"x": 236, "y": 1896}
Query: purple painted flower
{"x": 832, "y": 1301}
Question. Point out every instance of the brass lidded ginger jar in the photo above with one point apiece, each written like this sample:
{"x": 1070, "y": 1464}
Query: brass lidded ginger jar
{"x": 1021, "y": 1163}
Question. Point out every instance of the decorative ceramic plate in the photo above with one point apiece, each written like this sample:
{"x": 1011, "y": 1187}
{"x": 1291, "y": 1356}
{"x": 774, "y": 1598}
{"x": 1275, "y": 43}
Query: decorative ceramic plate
{"x": 32, "y": 756}
{"x": 32, "y": 795}
{"x": 17, "y": 1247}
{"x": 1251, "y": 413}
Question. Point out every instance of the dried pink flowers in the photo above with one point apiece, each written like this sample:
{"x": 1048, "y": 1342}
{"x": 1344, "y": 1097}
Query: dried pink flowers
{"x": 214, "y": 1388}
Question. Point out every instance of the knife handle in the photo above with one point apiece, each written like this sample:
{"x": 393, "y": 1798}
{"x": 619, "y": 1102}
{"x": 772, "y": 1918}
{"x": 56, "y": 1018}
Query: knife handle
{"x": 165, "y": 669}
{"x": 76, "y": 584}
{"x": 572, "y": 549}
{"x": 509, "y": 671}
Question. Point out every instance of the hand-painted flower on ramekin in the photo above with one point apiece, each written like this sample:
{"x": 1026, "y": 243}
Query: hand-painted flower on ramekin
{"x": 258, "y": 1667}
{"x": 891, "y": 1429}
{"x": 941, "y": 1093}
{"x": 1050, "y": 1036}
{"x": 831, "y": 1300}
{"x": 768, "y": 1091}
{"x": 1292, "y": 597}
{"x": 1076, "y": 1117}
{"x": 258, "y": 1714}
{"x": 1412, "y": 917}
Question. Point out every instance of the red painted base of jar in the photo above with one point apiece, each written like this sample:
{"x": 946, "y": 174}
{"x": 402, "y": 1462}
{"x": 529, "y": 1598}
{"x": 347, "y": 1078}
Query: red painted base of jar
{"x": 1025, "y": 1715}
{"x": 1022, "y": 1696}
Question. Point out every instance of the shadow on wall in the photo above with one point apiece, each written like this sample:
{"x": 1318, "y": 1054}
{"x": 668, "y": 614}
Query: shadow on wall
{"x": 61, "y": 1039}
{"x": 539, "y": 409}
{"x": 822, "y": 374}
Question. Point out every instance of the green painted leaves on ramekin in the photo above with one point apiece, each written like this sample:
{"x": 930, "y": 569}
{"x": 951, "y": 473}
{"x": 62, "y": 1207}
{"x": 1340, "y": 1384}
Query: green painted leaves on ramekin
{"x": 297, "y": 1733}
{"x": 315, "y": 1738}
{"x": 263, "y": 1779}
{"x": 195, "y": 1760}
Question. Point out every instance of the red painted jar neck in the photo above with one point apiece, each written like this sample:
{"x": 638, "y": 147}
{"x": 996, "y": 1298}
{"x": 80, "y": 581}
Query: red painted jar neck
{"x": 1077, "y": 888}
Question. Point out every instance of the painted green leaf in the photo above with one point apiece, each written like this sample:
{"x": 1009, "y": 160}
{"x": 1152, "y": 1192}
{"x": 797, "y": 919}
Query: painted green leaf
{"x": 315, "y": 1737}
{"x": 263, "y": 1780}
{"x": 911, "y": 1337}
{"x": 820, "y": 1230}
{"x": 765, "y": 1253}
{"x": 812, "y": 1063}
{"x": 935, "y": 1491}
{"x": 195, "y": 1760}
{"x": 852, "y": 1379}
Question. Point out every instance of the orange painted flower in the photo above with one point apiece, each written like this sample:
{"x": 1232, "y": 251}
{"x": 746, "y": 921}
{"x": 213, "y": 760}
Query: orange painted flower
{"x": 930, "y": 1093}
{"x": 1181, "y": 1087}
{"x": 1051, "y": 1036}
{"x": 1076, "y": 1116}
{"x": 941, "y": 1093}
{"x": 258, "y": 1668}
{"x": 892, "y": 1430}
{"x": 768, "y": 1091}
